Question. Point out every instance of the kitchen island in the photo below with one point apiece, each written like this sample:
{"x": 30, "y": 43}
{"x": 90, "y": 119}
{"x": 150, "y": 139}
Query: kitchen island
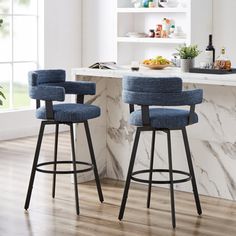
{"x": 212, "y": 140}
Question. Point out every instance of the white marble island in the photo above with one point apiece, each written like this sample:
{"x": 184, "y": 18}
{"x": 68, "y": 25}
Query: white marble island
{"x": 212, "y": 140}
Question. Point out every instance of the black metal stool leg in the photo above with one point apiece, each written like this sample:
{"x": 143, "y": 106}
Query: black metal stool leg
{"x": 74, "y": 168}
{"x": 151, "y": 169}
{"x": 55, "y": 160}
{"x": 171, "y": 180}
{"x": 191, "y": 170}
{"x": 90, "y": 145}
{"x": 128, "y": 179}
{"x": 33, "y": 171}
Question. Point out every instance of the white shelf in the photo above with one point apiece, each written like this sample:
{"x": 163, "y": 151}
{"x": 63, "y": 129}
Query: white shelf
{"x": 150, "y": 40}
{"x": 152, "y": 10}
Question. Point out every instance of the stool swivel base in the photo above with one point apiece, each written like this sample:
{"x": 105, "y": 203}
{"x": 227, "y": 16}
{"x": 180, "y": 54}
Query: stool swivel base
{"x": 88, "y": 167}
{"x": 132, "y": 175}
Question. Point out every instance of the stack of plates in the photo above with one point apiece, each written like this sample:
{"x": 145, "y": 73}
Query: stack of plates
{"x": 178, "y": 33}
{"x": 136, "y": 35}
{"x": 178, "y": 36}
{"x": 169, "y": 3}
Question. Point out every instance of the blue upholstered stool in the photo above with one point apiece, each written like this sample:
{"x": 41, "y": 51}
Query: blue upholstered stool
{"x": 146, "y": 92}
{"x": 49, "y": 86}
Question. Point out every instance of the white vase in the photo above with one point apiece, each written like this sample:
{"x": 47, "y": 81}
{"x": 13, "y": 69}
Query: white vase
{"x": 186, "y": 64}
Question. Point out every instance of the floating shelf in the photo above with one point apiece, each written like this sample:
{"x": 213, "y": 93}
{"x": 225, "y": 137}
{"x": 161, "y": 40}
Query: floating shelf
{"x": 151, "y": 10}
{"x": 150, "y": 40}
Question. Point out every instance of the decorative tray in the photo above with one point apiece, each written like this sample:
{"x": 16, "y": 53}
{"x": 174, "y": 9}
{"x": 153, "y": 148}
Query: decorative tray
{"x": 212, "y": 71}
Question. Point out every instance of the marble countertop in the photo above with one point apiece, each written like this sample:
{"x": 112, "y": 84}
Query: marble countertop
{"x": 193, "y": 78}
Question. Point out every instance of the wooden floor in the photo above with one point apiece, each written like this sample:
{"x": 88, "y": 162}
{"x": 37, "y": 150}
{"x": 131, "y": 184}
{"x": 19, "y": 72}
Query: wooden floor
{"x": 57, "y": 217}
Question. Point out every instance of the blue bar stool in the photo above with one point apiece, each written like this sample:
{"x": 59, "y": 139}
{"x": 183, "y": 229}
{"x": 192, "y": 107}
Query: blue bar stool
{"x": 49, "y": 86}
{"x": 145, "y": 92}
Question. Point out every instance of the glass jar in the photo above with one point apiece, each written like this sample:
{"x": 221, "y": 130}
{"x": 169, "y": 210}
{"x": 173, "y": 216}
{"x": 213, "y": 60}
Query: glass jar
{"x": 222, "y": 62}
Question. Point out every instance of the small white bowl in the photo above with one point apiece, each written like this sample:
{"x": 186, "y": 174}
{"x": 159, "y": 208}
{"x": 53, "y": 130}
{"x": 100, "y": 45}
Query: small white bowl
{"x": 170, "y": 3}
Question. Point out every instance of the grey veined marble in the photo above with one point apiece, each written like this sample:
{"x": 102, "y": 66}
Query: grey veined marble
{"x": 212, "y": 140}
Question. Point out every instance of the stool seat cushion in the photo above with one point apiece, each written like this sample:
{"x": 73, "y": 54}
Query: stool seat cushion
{"x": 68, "y": 112}
{"x": 164, "y": 118}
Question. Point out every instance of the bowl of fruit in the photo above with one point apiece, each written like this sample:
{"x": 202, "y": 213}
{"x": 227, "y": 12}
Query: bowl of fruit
{"x": 157, "y": 63}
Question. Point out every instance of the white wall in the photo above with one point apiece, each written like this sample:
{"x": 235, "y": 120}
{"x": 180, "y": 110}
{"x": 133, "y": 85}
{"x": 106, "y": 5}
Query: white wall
{"x": 224, "y": 18}
{"x": 62, "y": 34}
{"x": 98, "y": 31}
{"x": 61, "y": 49}
{"x": 200, "y": 29}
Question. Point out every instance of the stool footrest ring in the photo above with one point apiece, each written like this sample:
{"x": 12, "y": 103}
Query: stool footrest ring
{"x": 64, "y": 171}
{"x": 188, "y": 178}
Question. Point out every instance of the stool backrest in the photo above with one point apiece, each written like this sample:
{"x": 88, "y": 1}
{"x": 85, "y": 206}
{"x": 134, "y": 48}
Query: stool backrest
{"x": 40, "y": 88}
{"x": 38, "y": 77}
{"x": 159, "y": 91}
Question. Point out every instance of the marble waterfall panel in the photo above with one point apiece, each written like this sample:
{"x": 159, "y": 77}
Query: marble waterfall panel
{"x": 97, "y": 129}
{"x": 212, "y": 140}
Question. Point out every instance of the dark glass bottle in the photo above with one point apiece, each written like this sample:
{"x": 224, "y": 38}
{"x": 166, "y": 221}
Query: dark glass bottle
{"x": 210, "y": 52}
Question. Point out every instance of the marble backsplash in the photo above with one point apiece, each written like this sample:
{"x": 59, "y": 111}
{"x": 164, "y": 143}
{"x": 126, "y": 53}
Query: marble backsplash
{"x": 212, "y": 140}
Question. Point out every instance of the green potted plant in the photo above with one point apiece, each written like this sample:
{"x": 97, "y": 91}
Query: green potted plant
{"x": 1, "y": 95}
{"x": 187, "y": 55}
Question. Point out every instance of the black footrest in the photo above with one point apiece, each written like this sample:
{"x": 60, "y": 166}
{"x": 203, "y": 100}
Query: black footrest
{"x": 160, "y": 181}
{"x": 64, "y": 171}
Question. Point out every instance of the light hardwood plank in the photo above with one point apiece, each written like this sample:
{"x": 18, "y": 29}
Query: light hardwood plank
{"x": 47, "y": 216}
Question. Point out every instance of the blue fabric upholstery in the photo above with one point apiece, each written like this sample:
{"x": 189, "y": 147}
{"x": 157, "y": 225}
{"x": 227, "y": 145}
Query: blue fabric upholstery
{"x": 42, "y": 92}
{"x": 68, "y": 112}
{"x": 46, "y": 76}
{"x": 152, "y": 84}
{"x": 183, "y": 98}
{"x": 50, "y": 85}
{"x": 164, "y": 118}
{"x": 160, "y": 91}
{"x": 77, "y": 87}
